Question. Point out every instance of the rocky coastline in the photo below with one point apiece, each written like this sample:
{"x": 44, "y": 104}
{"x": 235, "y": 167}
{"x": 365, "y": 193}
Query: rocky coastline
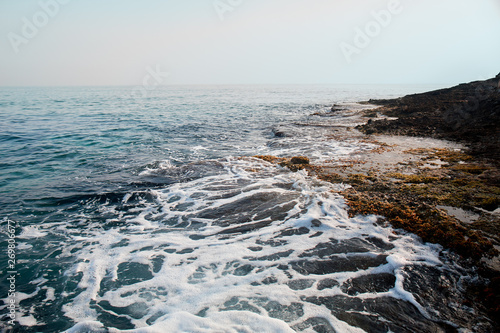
{"x": 468, "y": 113}
{"x": 434, "y": 172}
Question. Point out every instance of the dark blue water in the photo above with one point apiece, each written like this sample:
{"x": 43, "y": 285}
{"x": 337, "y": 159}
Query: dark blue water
{"x": 122, "y": 205}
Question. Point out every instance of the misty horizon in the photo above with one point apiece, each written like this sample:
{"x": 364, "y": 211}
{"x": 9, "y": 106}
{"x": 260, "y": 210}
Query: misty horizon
{"x": 221, "y": 42}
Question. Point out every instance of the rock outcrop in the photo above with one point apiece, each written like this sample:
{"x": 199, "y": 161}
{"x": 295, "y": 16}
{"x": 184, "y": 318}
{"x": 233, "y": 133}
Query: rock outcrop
{"x": 468, "y": 113}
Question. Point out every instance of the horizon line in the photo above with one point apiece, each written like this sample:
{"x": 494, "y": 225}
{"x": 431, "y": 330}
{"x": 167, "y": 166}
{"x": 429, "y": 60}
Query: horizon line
{"x": 230, "y": 84}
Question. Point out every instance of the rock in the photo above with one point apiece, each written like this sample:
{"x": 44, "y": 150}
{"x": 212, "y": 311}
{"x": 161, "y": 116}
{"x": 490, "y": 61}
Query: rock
{"x": 369, "y": 283}
{"x": 300, "y": 284}
{"x": 296, "y": 163}
{"x": 337, "y": 264}
{"x": 384, "y": 314}
{"x": 318, "y": 324}
{"x": 316, "y": 223}
{"x": 299, "y": 160}
{"x": 337, "y": 107}
{"x": 327, "y": 283}
{"x": 468, "y": 113}
{"x": 279, "y": 133}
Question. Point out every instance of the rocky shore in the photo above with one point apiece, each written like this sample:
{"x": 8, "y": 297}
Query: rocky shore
{"x": 433, "y": 171}
{"x": 468, "y": 113}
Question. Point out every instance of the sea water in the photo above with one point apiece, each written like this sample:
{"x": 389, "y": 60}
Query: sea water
{"x": 148, "y": 214}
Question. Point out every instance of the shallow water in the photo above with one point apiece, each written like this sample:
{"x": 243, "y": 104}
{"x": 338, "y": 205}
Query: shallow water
{"x": 146, "y": 216}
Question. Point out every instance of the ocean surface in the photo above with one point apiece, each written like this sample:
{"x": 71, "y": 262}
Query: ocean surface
{"x": 150, "y": 215}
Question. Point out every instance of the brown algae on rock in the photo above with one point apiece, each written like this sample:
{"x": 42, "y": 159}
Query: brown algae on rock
{"x": 295, "y": 163}
{"x": 423, "y": 200}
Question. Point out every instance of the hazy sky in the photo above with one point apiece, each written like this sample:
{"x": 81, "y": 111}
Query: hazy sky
{"x": 128, "y": 42}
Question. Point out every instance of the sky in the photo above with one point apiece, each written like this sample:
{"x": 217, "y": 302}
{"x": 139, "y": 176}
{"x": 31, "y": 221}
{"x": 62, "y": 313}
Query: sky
{"x": 133, "y": 42}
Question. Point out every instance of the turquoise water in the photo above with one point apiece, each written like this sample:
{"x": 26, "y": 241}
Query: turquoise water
{"x": 142, "y": 213}
{"x": 58, "y": 142}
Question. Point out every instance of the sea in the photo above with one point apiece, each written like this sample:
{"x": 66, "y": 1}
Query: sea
{"x": 149, "y": 214}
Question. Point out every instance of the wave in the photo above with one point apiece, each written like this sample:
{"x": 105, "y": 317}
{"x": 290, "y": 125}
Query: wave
{"x": 245, "y": 246}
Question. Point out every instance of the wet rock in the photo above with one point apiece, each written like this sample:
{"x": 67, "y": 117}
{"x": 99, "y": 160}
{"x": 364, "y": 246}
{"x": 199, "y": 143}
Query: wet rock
{"x": 353, "y": 245}
{"x": 283, "y": 267}
{"x": 272, "y": 242}
{"x": 237, "y": 304}
{"x": 318, "y": 324}
{"x": 197, "y": 237}
{"x": 369, "y": 284}
{"x": 157, "y": 262}
{"x": 369, "y": 323}
{"x": 286, "y": 313}
{"x": 327, "y": 284}
{"x": 316, "y": 223}
{"x": 336, "y": 107}
{"x": 245, "y": 228}
{"x": 381, "y": 244}
{"x": 296, "y": 163}
{"x": 279, "y": 133}
{"x": 259, "y": 206}
{"x": 300, "y": 284}
{"x": 243, "y": 270}
{"x": 437, "y": 289}
{"x": 185, "y": 251}
{"x": 381, "y": 314}
{"x": 299, "y": 160}
{"x": 275, "y": 256}
{"x": 337, "y": 264}
{"x": 292, "y": 232}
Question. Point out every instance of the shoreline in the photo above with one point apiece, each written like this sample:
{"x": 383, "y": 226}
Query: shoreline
{"x": 413, "y": 171}
{"x": 429, "y": 182}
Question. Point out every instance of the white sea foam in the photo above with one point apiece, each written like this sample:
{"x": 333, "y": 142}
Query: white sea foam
{"x": 32, "y": 232}
{"x": 226, "y": 322}
{"x": 180, "y": 266}
{"x": 87, "y": 326}
{"x": 27, "y": 321}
